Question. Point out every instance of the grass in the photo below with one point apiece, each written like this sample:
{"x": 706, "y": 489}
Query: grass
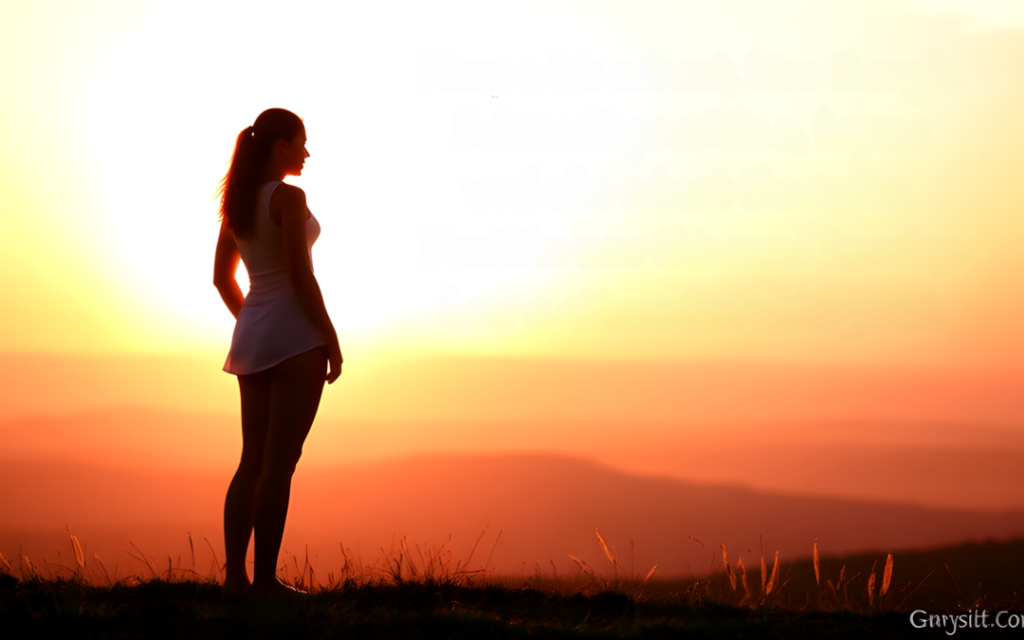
{"x": 157, "y": 608}
{"x": 415, "y": 592}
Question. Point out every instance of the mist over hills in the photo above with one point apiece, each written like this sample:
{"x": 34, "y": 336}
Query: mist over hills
{"x": 941, "y": 464}
{"x": 545, "y": 507}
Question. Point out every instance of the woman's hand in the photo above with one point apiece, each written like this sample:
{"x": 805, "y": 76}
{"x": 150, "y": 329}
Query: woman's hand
{"x": 334, "y": 360}
{"x": 290, "y": 202}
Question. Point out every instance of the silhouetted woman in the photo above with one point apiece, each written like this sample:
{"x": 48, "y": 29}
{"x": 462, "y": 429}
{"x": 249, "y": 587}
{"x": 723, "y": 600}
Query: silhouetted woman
{"x": 283, "y": 342}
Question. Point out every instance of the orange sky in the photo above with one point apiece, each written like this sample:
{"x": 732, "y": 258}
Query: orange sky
{"x": 547, "y": 227}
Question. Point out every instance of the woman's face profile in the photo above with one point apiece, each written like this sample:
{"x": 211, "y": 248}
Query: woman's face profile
{"x": 295, "y": 154}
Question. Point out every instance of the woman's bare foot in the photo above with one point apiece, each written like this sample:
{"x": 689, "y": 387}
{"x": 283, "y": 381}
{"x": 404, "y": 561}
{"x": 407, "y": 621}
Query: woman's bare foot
{"x": 275, "y": 589}
{"x": 236, "y": 589}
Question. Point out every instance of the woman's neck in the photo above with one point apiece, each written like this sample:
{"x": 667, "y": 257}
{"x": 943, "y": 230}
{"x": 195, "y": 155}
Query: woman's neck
{"x": 273, "y": 173}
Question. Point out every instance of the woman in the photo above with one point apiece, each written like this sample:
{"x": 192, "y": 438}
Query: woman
{"x": 283, "y": 342}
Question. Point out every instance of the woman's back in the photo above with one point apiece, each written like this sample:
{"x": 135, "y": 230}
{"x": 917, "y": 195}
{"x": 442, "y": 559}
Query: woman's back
{"x": 263, "y": 254}
{"x": 272, "y": 326}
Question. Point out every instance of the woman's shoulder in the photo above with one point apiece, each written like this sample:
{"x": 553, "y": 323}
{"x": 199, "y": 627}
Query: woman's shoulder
{"x": 286, "y": 194}
{"x": 286, "y": 200}
{"x": 284, "y": 187}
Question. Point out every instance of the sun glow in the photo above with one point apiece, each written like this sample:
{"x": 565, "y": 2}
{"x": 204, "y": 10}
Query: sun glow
{"x": 165, "y": 114}
{"x": 532, "y": 179}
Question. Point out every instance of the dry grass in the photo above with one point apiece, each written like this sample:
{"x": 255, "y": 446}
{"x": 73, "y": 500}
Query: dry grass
{"x": 404, "y": 564}
{"x": 730, "y": 586}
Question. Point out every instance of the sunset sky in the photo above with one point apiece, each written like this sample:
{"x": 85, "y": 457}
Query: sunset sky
{"x": 541, "y": 222}
{"x": 120, "y": 122}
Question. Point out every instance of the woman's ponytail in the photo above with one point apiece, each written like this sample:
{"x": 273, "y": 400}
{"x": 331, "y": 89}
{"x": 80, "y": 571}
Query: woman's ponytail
{"x": 252, "y": 151}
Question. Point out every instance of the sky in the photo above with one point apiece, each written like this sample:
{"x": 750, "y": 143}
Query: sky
{"x": 680, "y": 224}
{"x": 800, "y": 183}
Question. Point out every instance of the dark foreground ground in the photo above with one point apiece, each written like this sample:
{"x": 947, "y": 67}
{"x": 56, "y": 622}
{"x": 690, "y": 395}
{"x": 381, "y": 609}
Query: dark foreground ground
{"x": 161, "y": 609}
{"x": 382, "y": 602}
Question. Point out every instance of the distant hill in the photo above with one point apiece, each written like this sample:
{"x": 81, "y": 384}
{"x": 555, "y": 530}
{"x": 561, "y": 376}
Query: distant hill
{"x": 545, "y": 506}
{"x": 940, "y": 464}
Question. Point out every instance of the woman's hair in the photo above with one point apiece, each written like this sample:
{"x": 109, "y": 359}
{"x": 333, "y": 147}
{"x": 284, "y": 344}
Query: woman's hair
{"x": 252, "y": 151}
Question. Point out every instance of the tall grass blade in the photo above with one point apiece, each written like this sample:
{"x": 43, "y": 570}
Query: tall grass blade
{"x": 216, "y": 563}
{"x": 870, "y": 586}
{"x": 648, "y": 576}
{"x": 728, "y": 567}
{"x": 773, "y": 582}
{"x": 887, "y": 574}
{"x": 79, "y": 558}
{"x": 604, "y": 547}
{"x": 404, "y": 547}
{"x": 471, "y": 551}
{"x": 427, "y": 566}
{"x": 96, "y": 557}
{"x": 743, "y": 576}
{"x": 764, "y": 567}
{"x": 913, "y": 590}
{"x": 312, "y": 573}
{"x": 955, "y": 585}
{"x": 817, "y": 565}
{"x": 577, "y": 561}
{"x": 6, "y": 565}
{"x": 143, "y": 559}
{"x": 27, "y": 570}
{"x": 692, "y": 573}
{"x": 488, "y": 561}
{"x": 345, "y": 568}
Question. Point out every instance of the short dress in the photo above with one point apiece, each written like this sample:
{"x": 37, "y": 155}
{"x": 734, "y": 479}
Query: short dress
{"x": 272, "y": 325}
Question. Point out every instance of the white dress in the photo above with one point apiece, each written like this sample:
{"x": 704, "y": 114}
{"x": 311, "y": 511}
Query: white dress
{"x": 272, "y": 325}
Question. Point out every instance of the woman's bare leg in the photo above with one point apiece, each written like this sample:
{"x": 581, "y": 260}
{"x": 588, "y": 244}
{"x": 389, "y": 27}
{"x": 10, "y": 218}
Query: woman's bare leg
{"x": 238, "y": 506}
{"x": 294, "y": 397}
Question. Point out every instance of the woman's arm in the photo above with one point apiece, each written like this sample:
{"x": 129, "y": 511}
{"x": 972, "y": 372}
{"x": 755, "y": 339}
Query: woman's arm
{"x": 225, "y": 263}
{"x": 291, "y": 203}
